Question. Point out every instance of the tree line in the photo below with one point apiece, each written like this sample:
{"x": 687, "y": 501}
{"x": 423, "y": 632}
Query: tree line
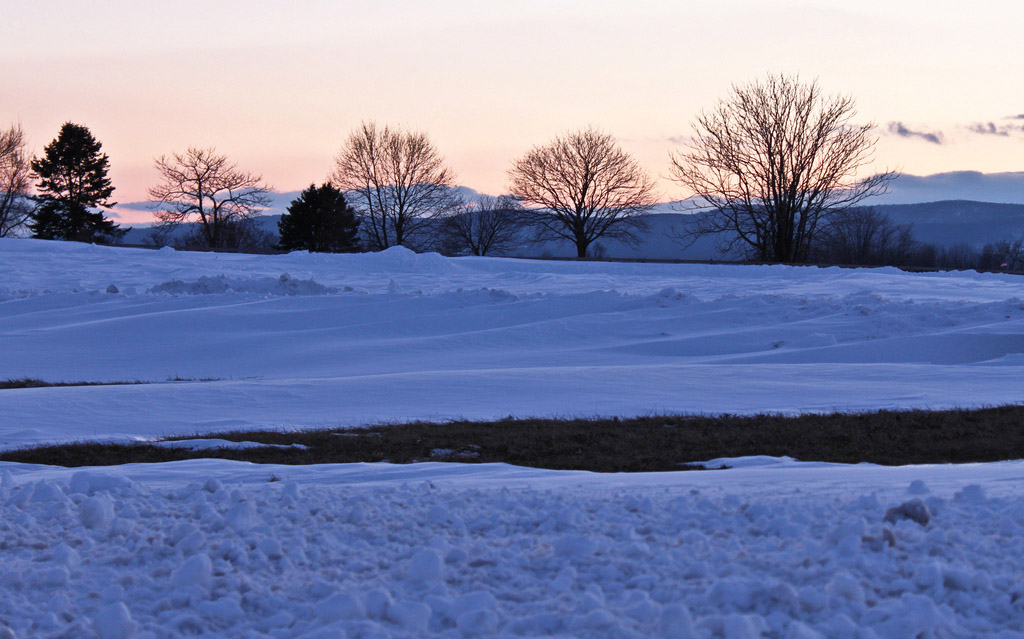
{"x": 778, "y": 169}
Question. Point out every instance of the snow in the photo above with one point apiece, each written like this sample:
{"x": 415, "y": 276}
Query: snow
{"x": 303, "y": 339}
{"x": 771, "y": 547}
{"x": 213, "y": 443}
{"x": 465, "y": 550}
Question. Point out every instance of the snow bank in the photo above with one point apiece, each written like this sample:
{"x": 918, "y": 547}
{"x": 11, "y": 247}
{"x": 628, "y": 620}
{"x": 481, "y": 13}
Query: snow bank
{"x": 282, "y": 285}
{"x": 449, "y": 550}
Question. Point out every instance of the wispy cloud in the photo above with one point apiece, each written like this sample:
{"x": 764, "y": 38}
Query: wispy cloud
{"x": 679, "y": 139}
{"x": 900, "y": 129}
{"x": 1019, "y": 116}
{"x": 991, "y": 128}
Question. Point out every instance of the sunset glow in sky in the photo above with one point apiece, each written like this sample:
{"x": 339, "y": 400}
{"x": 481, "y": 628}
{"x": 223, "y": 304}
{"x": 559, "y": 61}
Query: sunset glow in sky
{"x": 277, "y": 86}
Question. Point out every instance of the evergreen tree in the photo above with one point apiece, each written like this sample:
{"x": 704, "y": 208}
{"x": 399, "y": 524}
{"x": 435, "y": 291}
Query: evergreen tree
{"x": 72, "y": 183}
{"x": 319, "y": 220}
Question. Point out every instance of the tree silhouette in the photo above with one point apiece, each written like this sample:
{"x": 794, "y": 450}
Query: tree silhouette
{"x": 398, "y": 183}
{"x": 15, "y": 180}
{"x": 319, "y": 220}
{"x": 771, "y": 163}
{"x": 582, "y": 187}
{"x": 73, "y": 182}
{"x": 487, "y": 226}
{"x": 203, "y": 186}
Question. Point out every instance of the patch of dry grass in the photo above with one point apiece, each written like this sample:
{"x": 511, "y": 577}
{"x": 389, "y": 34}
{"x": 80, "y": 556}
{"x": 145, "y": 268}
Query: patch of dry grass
{"x": 654, "y": 443}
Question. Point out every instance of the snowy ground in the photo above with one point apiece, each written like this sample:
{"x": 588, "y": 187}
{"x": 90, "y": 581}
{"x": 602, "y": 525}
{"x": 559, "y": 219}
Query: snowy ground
{"x": 351, "y": 339}
{"x": 214, "y": 548}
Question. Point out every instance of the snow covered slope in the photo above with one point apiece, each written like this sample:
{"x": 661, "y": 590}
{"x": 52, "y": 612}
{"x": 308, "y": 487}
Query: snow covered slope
{"x": 305, "y": 339}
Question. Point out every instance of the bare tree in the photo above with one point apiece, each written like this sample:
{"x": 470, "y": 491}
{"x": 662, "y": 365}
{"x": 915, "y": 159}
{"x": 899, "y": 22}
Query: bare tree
{"x": 960, "y": 256}
{"x": 398, "y": 183}
{"x": 487, "y": 226}
{"x": 203, "y": 186}
{"x": 1013, "y": 254}
{"x": 864, "y": 236}
{"x": 582, "y": 187}
{"x": 1004, "y": 255}
{"x": 15, "y": 181}
{"x": 771, "y": 163}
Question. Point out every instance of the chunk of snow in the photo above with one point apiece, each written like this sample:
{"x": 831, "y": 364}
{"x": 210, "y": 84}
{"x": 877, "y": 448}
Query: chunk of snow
{"x": 114, "y": 622}
{"x": 196, "y": 571}
{"x": 475, "y": 623}
{"x": 47, "y": 492}
{"x": 914, "y": 510}
{"x": 676, "y": 622}
{"x": 96, "y": 512}
{"x": 426, "y": 565}
{"x": 241, "y": 516}
{"x": 90, "y": 482}
{"x": 412, "y": 616}
{"x": 342, "y": 605}
{"x": 972, "y": 493}
{"x": 918, "y": 487}
{"x": 225, "y": 609}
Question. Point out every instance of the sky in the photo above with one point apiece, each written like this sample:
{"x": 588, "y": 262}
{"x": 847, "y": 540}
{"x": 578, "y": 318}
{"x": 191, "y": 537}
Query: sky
{"x": 277, "y": 86}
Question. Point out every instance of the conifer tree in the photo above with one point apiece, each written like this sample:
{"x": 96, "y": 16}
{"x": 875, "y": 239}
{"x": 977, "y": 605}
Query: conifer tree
{"x": 73, "y": 182}
{"x": 319, "y": 220}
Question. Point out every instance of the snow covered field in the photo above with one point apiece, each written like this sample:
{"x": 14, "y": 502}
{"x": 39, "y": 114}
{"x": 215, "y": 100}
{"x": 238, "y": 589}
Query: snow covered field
{"x": 216, "y": 549}
{"x": 352, "y": 339}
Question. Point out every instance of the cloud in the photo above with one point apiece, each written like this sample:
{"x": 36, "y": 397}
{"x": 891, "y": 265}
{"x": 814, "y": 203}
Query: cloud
{"x": 900, "y": 129}
{"x": 1019, "y": 116}
{"x": 991, "y": 128}
{"x": 988, "y": 128}
{"x": 679, "y": 139}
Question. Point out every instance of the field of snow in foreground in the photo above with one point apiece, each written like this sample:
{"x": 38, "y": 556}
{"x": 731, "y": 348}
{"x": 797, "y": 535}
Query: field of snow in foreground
{"x": 308, "y": 340}
{"x": 212, "y": 548}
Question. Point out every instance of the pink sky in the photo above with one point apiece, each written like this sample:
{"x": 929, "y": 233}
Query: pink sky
{"x": 277, "y": 86}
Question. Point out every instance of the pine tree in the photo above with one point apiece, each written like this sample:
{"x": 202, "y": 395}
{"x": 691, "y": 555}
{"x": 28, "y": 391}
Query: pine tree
{"x": 72, "y": 183}
{"x": 319, "y": 220}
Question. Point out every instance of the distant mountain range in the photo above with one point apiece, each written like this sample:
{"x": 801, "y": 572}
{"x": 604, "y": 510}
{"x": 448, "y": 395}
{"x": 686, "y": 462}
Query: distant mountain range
{"x": 1003, "y": 188}
{"x": 955, "y": 221}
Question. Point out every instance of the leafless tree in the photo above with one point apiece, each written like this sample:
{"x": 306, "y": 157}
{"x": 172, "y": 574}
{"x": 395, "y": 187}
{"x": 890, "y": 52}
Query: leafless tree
{"x": 771, "y": 163}
{"x": 487, "y": 226}
{"x": 398, "y": 183}
{"x": 15, "y": 181}
{"x": 582, "y": 187}
{"x": 960, "y": 256}
{"x": 1004, "y": 255}
{"x": 203, "y": 186}
{"x": 863, "y": 235}
{"x": 1012, "y": 253}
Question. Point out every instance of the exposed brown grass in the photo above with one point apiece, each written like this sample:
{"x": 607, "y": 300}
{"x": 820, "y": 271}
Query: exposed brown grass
{"x": 654, "y": 443}
{"x": 32, "y": 382}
